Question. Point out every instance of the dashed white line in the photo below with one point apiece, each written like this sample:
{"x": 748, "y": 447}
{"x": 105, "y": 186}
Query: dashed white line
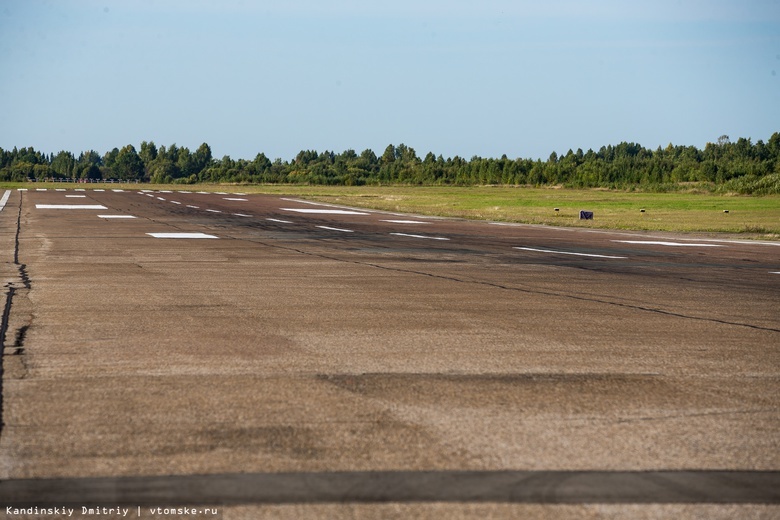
{"x": 193, "y": 207}
{"x": 60, "y": 189}
{"x": 279, "y": 220}
{"x": 241, "y": 215}
{"x": 116, "y": 216}
{"x": 160, "y": 198}
{"x": 75, "y": 196}
{"x": 325, "y": 211}
{"x": 662, "y": 243}
{"x": 98, "y": 190}
{"x": 4, "y": 199}
{"x": 69, "y": 206}
{"x": 418, "y": 236}
{"x": 118, "y": 191}
{"x": 405, "y": 221}
{"x": 336, "y": 229}
{"x": 175, "y": 202}
{"x": 214, "y": 210}
{"x": 181, "y": 235}
{"x": 241, "y": 200}
{"x": 567, "y": 253}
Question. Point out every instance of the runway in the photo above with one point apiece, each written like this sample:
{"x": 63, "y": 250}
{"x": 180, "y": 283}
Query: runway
{"x": 172, "y": 335}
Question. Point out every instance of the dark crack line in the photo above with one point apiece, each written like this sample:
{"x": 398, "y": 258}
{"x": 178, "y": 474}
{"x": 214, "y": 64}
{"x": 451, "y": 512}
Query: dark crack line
{"x": 508, "y": 288}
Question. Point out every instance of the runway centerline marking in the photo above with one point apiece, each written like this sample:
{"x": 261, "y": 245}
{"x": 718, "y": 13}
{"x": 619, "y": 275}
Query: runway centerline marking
{"x": 418, "y": 236}
{"x": 405, "y": 221}
{"x": 279, "y": 220}
{"x": 181, "y": 235}
{"x": 325, "y": 211}
{"x": 663, "y": 243}
{"x": 214, "y": 210}
{"x": 567, "y": 253}
{"x": 175, "y": 202}
{"x": 241, "y": 215}
{"x": 193, "y": 207}
{"x": 336, "y": 229}
{"x": 116, "y": 216}
{"x": 229, "y": 198}
{"x": 75, "y": 196}
{"x": 69, "y": 206}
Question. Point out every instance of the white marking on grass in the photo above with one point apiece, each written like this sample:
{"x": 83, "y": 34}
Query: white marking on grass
{"x": 4, "y": 199}
{"x": 214, "y": 210}
{"x": 567, "y": 253}
{"x": 69, "y": 206}
{"x": 662, "y": 243}
{"x": 181, "y": 235}
{"x": 405, "y": 221}
{"x": 325, "y": 211}
{"x": 116, "y": 216}
{"x": 242, "y": 200}
{"x": 336, "y": 229}
{"x": 278, "y": 220}
{"x": 418, "y": 236}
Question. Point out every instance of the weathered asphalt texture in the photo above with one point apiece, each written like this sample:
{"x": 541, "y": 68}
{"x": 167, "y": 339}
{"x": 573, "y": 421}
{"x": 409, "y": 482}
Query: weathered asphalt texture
{"x": 300, "y": 365}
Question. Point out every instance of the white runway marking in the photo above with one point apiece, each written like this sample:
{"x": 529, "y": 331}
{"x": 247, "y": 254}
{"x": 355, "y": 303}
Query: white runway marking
{"x": 567, "y": 253}
{"x": 79, "y": 189}
{"x": 4, "y": 199}
{"x": 229, "y": 198}
{"x": 149, "y": 195}
{"x": 181, "y": 235}
{"x": 405, "y": 221}
{"x": 774, "y": 272}
{"x": 221, "y": 193}
{"x": 193, "y": 207}
{"x": 202, "y": 192}
{"x": 166, "y": 191}
{"x": 116, "y": 216}
{"x": 214, "y": 210}
{"x": 160, "y": 198}
{"x": 418, "y": 236}
{"x": 336, "y": 229}
{"x": 175, "y": 202}
{"x": 21, "y": 189}
{"x": 60, "y": 189}
{"x": 40, "y": 189}
{"x": 118, "y": 191}
{"x": 325, "y": 211}
{"x": 241, "y": 215}
{"x": 69, "y": 206}
{"x": 278, "y": 220}
{"x": 660, "y": 243}
{"x": 99, "y": 190}
{"x": 75, "y": 196}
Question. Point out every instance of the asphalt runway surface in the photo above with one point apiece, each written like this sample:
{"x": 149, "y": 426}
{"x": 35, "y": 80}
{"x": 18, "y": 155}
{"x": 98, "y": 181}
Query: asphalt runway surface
{"x": 284, "y": 359}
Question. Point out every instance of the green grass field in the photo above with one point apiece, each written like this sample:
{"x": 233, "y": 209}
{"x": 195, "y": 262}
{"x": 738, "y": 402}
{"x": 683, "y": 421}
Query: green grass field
{"x": 751, "y": 216}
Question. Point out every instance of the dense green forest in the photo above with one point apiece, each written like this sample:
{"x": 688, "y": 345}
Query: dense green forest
{"x": 730, "y": 166}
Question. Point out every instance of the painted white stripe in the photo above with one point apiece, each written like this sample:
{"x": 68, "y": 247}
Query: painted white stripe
{"x": 21, "y": 189}
{"x": 70, "y": 206}
{"x": 241, "y": 215}
{"x": 40, "y": 189}
{"x": 307, "y": 202}
{"x": 4, "y": 199}
{"x": 175, "y": 202}
{"x": 418, "y": 236}
{"x": 75, "y": 196}
{"x": 278, "y": 220}
{"x": 774, "y": 272}
{"x": 661, "y": 243}
{"x": 202, "y": 192}
{"x": 325, "y": 211}
{"x": 242, "y": 200}
{"x": 214, "y": 210}
{"x": 185, "y": 191}
{"x": 181, "y": 235}
{"x": 118, "y": 191}
{"x": 60, "y": 189}
{"x": 221, "y": 193}
{"x": 166, "y": 191}
{"x": 160, "y": 198}
{"x": 79, "y": 189}
{"x": 240, "y": 194}
{"x": 193, "y": 207}
{"x": 567, "y": 253}
{"x": 405, "y": 221}
{"x": 336, "y": 229}
{"x": 116, "y": 216}
{"x": 99, "y": 190}
{"x": 142, "y": 191}
{"x": 149, "y": 195}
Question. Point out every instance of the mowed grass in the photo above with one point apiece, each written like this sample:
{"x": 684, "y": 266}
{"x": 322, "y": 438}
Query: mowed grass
{"x": 751, "y": 216}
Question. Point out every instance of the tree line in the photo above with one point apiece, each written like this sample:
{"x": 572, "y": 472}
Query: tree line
{"x": 736, "y": 166}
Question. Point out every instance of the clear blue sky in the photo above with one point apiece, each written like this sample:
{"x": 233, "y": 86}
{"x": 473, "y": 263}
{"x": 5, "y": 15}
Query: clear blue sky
{"x": 455, "y": 77}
